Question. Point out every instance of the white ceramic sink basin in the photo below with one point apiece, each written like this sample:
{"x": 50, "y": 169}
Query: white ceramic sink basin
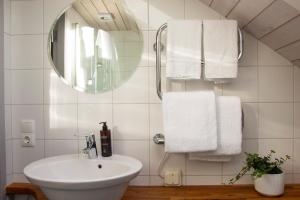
{"x": 70, "y": 177}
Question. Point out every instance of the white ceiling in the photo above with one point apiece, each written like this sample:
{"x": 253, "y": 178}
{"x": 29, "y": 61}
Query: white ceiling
{"x": 274, "y": 22}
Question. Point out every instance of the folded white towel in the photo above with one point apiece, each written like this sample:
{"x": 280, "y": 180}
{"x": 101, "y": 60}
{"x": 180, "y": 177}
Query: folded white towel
{"x": 189, "y": 120}
{"x": 220, "y": 46}
{"x": 184, "y": 48}
{"x": 229, "y": 120}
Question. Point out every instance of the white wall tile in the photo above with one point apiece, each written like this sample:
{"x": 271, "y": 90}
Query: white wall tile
{"x": 20, "y": 178}
{"x": 133, "y": 90}
{"x": 296, "y": 178}
{"x": 139, "y": 9}
{"x": 60, "y": 121}
{"x": 8, "y": 122}
{"x": 195, "y": 85}
{"x": 7, "y": 16}
{"x": 136, "y": 149}
{"x": 196, "y": 10}
{"x": 250, "y": 129}
{"x": 60, "y": 147}
{"x": 275, "y": 84}
{"x": 47, "y": 59}
{"x": 156, "y": 124}
{"x": 125, "y": 118}
{"x": 246, "y": 179}
{"x": 203, "y": 180}
{"x": 245, "y": 86}
{"x": 52, "y": 10}
{"x": 56, "y": 91}
{"x": 266, "y": 56}
{"x": 156, "y": 181}
{"x": 297, "y": 83}
{"x": 194, "y": 167}
{"x": 173, "y": 161}
{"x": 288, "y": 178}
{"x": 7, "y": 47}
{"x": 161, "y": 11}
{"x": 22, "y": 156}
{"x": 237, "y": 162}
{"x": 27, "y": 86}
{"x": 276, "y": 120}
{"x": 90, "y": 115}
{"x": 27, "y": 112}
{"x": 9, "y": 179}
{"x": 140, "y": 181}
{"x": 26, "y": 51}
{"x": 9, "y": 156}
{"x": 27, "y": 17}
{"x": 297, "y": 157}
{"x": 282, "y": 147}
{"x": 297, "y": 120}
{"x": 7, "y": 86}
{"x": 103, "y": 97}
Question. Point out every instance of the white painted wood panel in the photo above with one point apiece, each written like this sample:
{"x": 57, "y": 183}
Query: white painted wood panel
{"x": 284, "y": 35}
{"x": 246, "y": 10}
{"x": 272, "y": 17}
{"x": 223, "y": 7}
{"x": 207, "y": 2}
{"x": 291, "y": 52}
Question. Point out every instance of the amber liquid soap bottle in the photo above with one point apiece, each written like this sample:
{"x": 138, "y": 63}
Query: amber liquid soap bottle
{"x": 105, "y": 136}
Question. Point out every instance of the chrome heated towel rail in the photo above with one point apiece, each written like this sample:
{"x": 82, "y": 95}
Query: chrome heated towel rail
{"x": 159, "y": 138}
{"x": 158, "y": 49}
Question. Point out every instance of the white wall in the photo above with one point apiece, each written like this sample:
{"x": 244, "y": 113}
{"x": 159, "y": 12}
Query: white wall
{"x": 268, "y": 85}
{"x": 2, "y": 111}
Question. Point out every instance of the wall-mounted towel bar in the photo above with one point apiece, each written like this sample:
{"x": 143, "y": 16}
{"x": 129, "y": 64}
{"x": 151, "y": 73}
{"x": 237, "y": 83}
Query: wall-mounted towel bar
{"x": 158, "y": 49}
{"x": 159, "y": 138}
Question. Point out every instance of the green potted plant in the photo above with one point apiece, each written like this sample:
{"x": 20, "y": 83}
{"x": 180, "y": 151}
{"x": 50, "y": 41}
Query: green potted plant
{"x": 266, "y": 171}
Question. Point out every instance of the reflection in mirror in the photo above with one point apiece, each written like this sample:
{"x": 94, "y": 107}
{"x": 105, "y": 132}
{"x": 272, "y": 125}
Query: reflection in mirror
{"x": 95, "y": 45}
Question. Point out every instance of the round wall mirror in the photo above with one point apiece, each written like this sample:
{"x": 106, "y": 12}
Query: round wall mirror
{"x": 95, "y": 45}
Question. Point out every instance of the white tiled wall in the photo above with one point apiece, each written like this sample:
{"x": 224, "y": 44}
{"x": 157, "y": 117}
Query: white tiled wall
{"x": 268, "y": 85}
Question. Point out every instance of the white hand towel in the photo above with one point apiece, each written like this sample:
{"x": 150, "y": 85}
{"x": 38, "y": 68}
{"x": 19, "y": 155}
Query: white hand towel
{"x": 184, "y": 46}
{"x": 229, "y": 120}
{"x": 220, "y": 46}
{"x": 189, "y": 120}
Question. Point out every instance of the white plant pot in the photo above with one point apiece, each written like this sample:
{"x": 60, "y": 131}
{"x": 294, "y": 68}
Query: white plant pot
{"x": 270, "y": 184}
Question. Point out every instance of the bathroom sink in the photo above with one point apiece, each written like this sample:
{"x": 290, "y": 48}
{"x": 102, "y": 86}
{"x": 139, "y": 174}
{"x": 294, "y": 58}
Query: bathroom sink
{"x": 71, "y": 177}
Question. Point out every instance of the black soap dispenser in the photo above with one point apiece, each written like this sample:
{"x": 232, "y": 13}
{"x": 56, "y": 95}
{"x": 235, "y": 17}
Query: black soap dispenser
{"x": 105, "y": 136}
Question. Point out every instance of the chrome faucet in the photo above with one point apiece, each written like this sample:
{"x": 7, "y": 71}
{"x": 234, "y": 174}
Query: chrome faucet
{"x": 91, "y": 148}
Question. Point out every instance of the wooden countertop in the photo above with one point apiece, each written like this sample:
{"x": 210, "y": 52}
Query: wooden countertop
{"x": 242, "y": 192}
{"x": 221, "y": 192}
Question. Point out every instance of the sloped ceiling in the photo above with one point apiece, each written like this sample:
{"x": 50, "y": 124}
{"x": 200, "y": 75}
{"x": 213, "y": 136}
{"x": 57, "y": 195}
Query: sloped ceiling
{"x": 90, "y": 10}
{"x": 274, "y": 22}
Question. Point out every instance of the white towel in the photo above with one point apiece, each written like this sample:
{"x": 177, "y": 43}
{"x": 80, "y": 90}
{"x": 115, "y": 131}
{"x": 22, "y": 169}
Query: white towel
{"x": 229, "y": 120}
{"x": 220, "y": 46}
{"x": 189, "y": 120}
{"x": 184, "y": 48}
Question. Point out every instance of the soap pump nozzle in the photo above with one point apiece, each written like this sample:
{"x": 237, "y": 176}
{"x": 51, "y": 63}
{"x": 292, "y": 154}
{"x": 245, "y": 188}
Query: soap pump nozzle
{"x": 104, "y": 127}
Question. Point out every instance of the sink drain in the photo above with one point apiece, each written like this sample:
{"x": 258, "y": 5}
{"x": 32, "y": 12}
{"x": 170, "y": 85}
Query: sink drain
{"x": 99, "y": 166}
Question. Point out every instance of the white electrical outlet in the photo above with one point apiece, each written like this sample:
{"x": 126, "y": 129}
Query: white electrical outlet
{"x": 173, "y": 177}
{"x": 28, "y": 140}
{"x": 28, "y": 133}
